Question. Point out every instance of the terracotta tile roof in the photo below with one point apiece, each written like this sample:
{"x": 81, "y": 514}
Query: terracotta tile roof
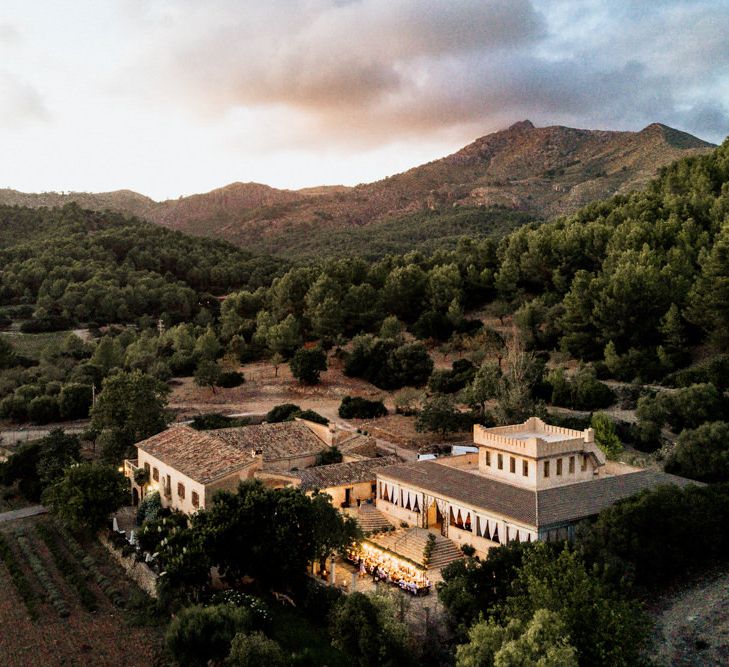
{"x": 197, "y": 454}
{"x": 358, "y": 444}
{"x": 467, "y": 487}
{"x": 584, "y": 499}
{"x": 207, "y": 455}
{"x": 550, "y": 506}
{"x": 277, "y": 441}
{"x": 338, "y": 474}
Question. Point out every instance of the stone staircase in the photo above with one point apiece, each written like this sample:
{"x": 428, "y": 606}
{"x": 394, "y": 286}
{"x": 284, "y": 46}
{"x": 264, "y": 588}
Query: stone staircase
{"x": 370, "y": 519}
{"x": 410, "y": 543}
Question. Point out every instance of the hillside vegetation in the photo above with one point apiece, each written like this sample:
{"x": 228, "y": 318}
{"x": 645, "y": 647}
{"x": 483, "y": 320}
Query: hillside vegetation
{"x": 77, "y": 265}
{"x": 634, "y": 282}
{"x": 538, "y": 172}
{"x": 633, "y": 288}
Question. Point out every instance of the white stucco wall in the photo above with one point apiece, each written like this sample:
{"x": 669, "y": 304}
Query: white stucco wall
{"x": 205, "y": 491}
{"x": 397, "y": 513}
{"x": 173, "y": 501}
{"x": 535, "y": 479}
{"x": 229, "y": 483}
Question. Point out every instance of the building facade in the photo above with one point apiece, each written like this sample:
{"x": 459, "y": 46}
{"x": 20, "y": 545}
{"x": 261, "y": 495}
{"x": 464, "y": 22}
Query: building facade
{"x": 187, "y": 467}
{"x": 529, "y": 481}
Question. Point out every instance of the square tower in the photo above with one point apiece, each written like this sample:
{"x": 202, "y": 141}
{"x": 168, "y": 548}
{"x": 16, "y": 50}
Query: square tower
{"x": 536, "y": 455}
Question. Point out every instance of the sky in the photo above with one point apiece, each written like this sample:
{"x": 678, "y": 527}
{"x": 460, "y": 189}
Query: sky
{"x": 173, "y": 97}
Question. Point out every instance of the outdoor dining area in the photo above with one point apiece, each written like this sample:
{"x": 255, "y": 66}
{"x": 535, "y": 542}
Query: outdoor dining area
{"x": 386, "y": 567}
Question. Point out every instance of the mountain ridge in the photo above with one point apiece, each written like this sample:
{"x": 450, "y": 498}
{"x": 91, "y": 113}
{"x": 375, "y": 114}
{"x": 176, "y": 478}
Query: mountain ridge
{"x": 540, "y": 171}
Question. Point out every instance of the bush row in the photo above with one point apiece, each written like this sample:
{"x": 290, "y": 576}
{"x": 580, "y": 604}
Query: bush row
{"x": 102, "y": 581}
{"x": 18, "y": 577}
{"x": 55, "y": 597}
{"x": 71, "y": 571}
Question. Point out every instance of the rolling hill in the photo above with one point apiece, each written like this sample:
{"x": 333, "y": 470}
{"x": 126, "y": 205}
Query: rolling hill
{"x": 518, "y": 174}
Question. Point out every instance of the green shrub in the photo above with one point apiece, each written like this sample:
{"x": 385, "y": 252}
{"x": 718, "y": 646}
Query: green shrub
{"x": 328, "y": 456}
{"x": 449, "y": 382}
{"x": 354, "y": 407}
{"x": 260, "y": 613}
{"x": 582, "y": 392}
{"x": 642, "y": 539}
{"x": 702, "y": 453}
{"x": 312, "y": 416}
{"x": 14, "y": 408}
{"x": 230, "y": 379}
{"x": 605, "y": 435}
{"x": 74, "y": 401}
{"x": 282, "y": 413}
{"x": 200, "y": 634}
{"x": 318, "y": 600}
{"x": 365, "y": 627}
{"x": 307, "y": 365}
{"x": 388, "y": 365}
{"x": 688, "y": 407}
{"x": 714, "y": 370}
{"x": 255, "y": 650}
{"x": 149, "y": 508}
{"x": 215, "y": 420}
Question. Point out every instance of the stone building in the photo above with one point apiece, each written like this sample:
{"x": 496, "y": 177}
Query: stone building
{"x": 529, "y": 481}
{"x": 349, "y": 484}
{"x": 188, "y": 466}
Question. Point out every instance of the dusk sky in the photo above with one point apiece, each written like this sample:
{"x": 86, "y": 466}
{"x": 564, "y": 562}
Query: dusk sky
{"x": 172, "y": 97}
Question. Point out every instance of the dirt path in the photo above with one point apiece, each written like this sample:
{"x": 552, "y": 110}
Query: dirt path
{"x": 15, "y": 436}
{"x": 693, "y": 629}
{"x": 22, "y": 513}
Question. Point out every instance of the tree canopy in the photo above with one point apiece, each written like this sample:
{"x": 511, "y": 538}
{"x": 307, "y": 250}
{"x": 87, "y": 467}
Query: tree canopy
{"x": 130, "y": 408}
{"x": 87, "y": 495}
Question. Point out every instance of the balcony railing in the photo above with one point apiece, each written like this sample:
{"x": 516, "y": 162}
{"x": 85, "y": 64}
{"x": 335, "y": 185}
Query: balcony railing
{"x": 130, "y": 466}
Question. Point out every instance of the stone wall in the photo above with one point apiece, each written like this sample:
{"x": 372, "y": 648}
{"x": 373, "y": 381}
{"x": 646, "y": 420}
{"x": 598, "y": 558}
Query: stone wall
{"x": 139, "y": 573}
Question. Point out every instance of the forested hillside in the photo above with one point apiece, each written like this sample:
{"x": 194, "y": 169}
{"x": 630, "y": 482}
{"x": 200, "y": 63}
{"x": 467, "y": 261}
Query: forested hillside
{"x": 634, "y": 288}
{"x": 71, "y": 265}
{"x": 637, "y": 281}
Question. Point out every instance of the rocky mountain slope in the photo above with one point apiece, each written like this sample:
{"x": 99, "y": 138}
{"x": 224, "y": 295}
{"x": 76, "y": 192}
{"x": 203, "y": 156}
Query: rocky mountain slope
{"x": 538, "y": 171}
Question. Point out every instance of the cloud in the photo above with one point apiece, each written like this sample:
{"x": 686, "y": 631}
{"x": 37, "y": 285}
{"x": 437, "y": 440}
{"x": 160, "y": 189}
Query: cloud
{"x": 20, "y": 103}
{"x": 8, "y": 34}
{"x": 369, "y": 72}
